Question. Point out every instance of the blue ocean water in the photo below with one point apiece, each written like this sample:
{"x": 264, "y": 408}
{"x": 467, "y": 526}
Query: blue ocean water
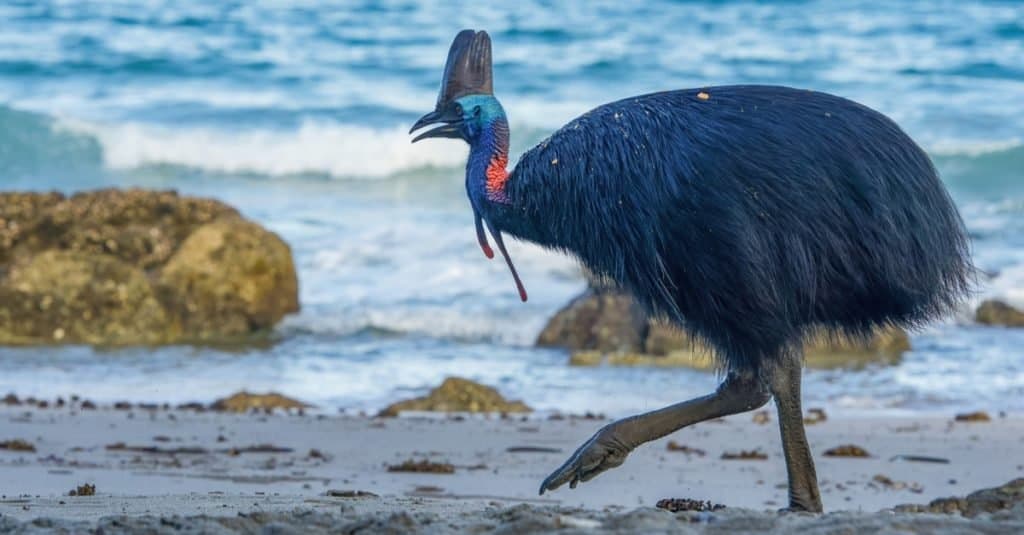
{"x": 297, "y": 114}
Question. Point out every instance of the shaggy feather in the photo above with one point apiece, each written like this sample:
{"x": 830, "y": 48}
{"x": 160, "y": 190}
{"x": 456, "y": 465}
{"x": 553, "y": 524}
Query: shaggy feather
{"x": 750, "y": 217}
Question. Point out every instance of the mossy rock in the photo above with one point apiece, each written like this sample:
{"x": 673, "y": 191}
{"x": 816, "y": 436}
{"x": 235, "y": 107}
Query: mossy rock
{"x": 244, "y": 402}
{"x": 603, "y": 321}
{"x": 696, "y": 359}
{"x": 230, "y": 277}
{"x": 458, "y": 395}
{"x": 140, "y": 227}
{"x": 123, "y": 267}
{"x": 77, "y": 297}
{"x": 993, "y": 312}
{"x": 650, "y": 342}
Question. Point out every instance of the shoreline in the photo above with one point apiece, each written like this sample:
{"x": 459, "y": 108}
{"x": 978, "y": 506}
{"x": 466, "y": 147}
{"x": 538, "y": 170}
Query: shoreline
{"x": 226, "y": 464}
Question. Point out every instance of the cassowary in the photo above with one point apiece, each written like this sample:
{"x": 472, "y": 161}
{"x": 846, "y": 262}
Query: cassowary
{"x": 749, "y": 216}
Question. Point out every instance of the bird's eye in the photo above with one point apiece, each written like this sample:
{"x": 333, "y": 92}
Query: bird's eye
{"x": 458, "y": 108}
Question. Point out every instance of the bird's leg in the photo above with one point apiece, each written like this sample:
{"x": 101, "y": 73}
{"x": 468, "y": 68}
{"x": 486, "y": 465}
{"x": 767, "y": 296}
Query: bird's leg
{"x": 609, "y": 447}
{"x": 784, "y": 382}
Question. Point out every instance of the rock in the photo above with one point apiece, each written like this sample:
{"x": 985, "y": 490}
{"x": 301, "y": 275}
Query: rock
{"x": 697, "y": 359}
{"x": 603, "y": 321}
{"x": 991, "y": 500}
{"x": 886, "y": 347}
{"x": 244, "y": 402}
{"x": 17, "y": 445}
{"x": 846, "y": 450}
{"x": 608, "y": 327}
{"x": 994, "y": 312}
{"x": 995, "y": 499}
{"x": 231, "y": 277}
{"x": 141, "y": 227}
{"x": 458, "y": 395}
{"x": 977, "y": 416}
{"x": 59, "y": 297}
{"x": 83, "y": 490}
{"x": 113, "y": 267}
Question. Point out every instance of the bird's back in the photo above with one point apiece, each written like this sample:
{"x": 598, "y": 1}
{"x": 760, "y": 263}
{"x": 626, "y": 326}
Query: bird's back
{"x": 750, "y": 214}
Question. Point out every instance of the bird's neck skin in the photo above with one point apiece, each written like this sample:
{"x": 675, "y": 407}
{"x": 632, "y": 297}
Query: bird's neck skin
{"x": 489, "y": 184}
{"x": 486, "y": 173}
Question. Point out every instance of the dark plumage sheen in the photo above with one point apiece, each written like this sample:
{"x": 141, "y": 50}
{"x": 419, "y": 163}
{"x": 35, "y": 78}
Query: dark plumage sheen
{"x": 748, "y": 214}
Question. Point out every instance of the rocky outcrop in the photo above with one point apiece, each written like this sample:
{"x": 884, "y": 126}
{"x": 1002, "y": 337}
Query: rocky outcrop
{"x": 993, "y": 312}
{"x": 245, "y": 402}
{"x": 608, "y": 327}
{"x": 114, "y": 267}
{"x": 458, "y": 395}
{"x": 605, "y": 321}
{"x": 230, "y": 276}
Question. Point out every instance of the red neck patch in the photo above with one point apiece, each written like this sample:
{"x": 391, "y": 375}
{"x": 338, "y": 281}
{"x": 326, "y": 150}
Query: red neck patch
{"x": 497, "y": 176}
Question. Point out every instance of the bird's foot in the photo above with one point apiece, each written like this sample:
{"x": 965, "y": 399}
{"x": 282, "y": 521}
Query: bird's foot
{"x": 605, "y": 450}
{"x": 802, "y": 505}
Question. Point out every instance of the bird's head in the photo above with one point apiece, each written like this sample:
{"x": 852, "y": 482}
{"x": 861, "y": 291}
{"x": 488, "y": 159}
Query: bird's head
{"x": 466, "y": 109}
{"x": 467, "y": 118}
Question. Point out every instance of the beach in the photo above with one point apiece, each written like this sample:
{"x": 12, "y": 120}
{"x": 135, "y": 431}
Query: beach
{"x": 233, "y": 190}
{"x": 163, "y": 463}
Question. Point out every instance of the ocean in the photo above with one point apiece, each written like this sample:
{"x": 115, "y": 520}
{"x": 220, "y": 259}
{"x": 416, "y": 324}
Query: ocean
{"x": 297, "y": 113}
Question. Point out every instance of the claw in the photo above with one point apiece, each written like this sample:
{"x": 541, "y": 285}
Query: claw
{"x": 602, "y": 452}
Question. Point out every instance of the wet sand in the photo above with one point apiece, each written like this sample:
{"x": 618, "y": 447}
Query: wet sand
{"x": 149, "y": 464}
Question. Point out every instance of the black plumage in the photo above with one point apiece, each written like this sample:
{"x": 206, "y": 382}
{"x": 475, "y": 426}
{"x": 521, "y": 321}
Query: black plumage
{"x": 750, "y": 216}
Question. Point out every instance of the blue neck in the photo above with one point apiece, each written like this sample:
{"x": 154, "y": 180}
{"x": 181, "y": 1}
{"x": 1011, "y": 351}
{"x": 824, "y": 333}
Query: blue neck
{"x": 486, "y": 166}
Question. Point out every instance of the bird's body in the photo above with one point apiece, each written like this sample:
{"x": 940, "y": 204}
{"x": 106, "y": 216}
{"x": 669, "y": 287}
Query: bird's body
{"x": 747, "y": 215}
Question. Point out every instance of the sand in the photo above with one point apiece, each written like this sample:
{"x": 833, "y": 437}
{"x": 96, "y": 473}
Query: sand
{"x": 216, "y": 471}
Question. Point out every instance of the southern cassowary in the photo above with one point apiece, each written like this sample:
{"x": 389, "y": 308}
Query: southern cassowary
{"x": 749, "y": 216}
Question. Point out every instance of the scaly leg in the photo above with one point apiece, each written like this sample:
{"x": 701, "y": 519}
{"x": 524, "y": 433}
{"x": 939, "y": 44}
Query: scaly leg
{"x": 609, "y": 447}
{"x": 784, "y": 382}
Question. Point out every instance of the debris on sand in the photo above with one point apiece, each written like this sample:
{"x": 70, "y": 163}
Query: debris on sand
{"x": 456, "y": 394}
{"x": 745, "y": 455}
{"x": 683, "y": 448}
{"x": 351, "y": 494}
{"x": 888, "y": 483}
{"x": 154, "y": 450}
{"x": 17, "y": 445}
{"x": 11, "y": 399}
{"x": 244, "y": 402}
{"x": 676, "y": 505}
{"x": 762, "y": 417}
{"x": 83, "y": 490}
{"x": 919, "y": 459}
{"x": 977, "y": 416}
{"x": 815, "y": 416}
{"x": 424, "y": 466}
{"x": 847, "y": 450}
{"x": 259, "y": 448}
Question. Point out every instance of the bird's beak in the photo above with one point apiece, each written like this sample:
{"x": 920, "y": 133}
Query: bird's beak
{"x": 451, "y": 128}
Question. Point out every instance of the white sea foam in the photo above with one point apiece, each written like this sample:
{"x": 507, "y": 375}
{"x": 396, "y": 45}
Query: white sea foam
{"x": 315, "y": 147}
{"x": 972, "y": 148}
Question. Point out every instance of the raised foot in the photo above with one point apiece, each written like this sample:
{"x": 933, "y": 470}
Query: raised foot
{"x": 605, "y": 450}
